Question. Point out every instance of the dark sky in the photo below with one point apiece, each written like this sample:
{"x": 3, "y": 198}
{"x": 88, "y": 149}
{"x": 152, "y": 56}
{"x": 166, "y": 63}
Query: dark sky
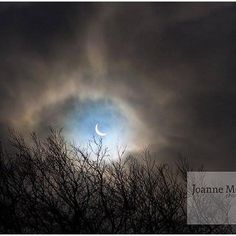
{"x": 171, "y": 65}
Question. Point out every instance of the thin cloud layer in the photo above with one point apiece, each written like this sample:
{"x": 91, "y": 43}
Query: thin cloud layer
{"x": 170, "y": 66}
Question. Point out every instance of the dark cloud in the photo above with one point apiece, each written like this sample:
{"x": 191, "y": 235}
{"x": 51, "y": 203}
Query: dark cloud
{"x": 172, "y": 64}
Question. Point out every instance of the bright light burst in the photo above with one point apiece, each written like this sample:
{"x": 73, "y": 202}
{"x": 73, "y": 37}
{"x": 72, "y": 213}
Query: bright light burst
{"x": 112, "y": 120}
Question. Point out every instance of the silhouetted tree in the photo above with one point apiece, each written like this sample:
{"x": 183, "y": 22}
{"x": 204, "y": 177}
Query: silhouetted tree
{"x": 51, "y": 186}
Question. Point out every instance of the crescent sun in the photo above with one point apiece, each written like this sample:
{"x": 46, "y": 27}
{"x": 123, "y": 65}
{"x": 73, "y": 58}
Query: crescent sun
{"x": 98, "y": 132}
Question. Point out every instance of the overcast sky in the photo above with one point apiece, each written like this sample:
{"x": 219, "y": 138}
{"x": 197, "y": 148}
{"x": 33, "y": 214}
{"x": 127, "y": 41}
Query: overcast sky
{"x": 170, "y": 66}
